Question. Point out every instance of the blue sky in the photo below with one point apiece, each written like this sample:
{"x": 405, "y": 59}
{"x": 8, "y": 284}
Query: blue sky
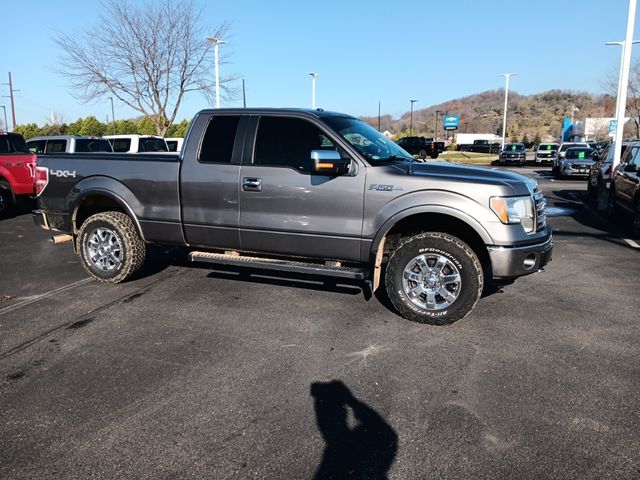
{"x": 364, "y": 51}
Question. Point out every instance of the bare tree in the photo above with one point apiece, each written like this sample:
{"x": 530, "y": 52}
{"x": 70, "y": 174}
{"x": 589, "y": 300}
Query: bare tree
{"x": 610, "y": 84}
{"x": 147, "y": 56}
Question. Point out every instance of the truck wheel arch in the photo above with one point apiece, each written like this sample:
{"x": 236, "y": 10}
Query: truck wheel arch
{"x": 416, "y": 220}
{"x": 98, "y": 200}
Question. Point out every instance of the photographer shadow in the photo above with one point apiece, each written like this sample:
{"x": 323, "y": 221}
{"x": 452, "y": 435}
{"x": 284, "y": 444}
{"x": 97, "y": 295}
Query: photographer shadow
{"x": 366, "y": 450}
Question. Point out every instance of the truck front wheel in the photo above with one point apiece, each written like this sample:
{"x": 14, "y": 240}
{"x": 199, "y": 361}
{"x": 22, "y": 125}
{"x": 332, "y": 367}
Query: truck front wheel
{"x": 434, "y": 278}
{"x": 110, "y": 247}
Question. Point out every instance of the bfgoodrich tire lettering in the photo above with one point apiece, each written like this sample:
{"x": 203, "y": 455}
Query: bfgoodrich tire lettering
{"x": 110, "y": 248}
{"x": 452, "y": 270}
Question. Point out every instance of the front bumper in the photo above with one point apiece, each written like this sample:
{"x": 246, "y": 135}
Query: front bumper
{"x": 512, "y": 262}
{"x": 519, "y": 160}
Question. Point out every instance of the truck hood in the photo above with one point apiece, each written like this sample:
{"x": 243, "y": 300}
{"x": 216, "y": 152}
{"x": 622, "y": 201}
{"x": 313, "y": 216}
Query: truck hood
{"x": 451, "y": 172}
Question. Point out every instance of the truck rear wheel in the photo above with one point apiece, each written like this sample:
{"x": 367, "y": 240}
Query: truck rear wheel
{"x": 110, "y": 247}
{"x": 434, "y": 278}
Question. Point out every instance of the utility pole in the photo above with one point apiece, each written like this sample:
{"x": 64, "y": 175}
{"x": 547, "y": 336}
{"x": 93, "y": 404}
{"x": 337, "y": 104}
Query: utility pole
{"x": 113, "y": 116}
{"x": 435, "y": 135}
{"x": 13, "y": 106}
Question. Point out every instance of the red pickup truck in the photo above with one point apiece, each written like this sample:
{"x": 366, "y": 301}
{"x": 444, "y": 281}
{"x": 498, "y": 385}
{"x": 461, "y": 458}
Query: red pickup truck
{"x": 17, "y": 170}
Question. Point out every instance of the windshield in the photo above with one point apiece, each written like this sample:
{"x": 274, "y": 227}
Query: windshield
{"x": 579, "y": 153}
{"x": 375, "y": 147}
{"x": 567, "y": 146}
{"x": 548, "y": 146}
{"x": 514, "y": 147}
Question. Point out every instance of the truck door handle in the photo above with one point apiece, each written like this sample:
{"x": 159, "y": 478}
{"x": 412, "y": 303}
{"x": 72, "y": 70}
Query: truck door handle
{"x": 250, "y": 184}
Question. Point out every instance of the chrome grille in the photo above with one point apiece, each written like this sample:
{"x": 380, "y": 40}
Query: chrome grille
{"x": 541, "y": 210}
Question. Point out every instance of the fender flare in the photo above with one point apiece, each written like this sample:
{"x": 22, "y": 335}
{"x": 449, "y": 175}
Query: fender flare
{"x": 105, "y": 187}
{"x": 420, "y": 209}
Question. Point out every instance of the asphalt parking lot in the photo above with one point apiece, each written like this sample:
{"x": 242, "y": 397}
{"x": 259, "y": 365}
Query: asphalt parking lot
{"x": 199, "y": 373}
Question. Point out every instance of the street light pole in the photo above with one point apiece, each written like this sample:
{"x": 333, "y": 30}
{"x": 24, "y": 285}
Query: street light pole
{"x": 216, "y": 62}
{"x": 6, "y": 125}
{"x": 313, "y": 76}
{"x": 623, "y": 82}
{"x": 411, "y": 118}
{"x": 113, "y": 116}
{"x": 506, "y": 98}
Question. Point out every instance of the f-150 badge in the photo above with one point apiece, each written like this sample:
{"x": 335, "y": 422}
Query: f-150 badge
{"x": 63, "y": 173}
{"x": 384, "y": 188}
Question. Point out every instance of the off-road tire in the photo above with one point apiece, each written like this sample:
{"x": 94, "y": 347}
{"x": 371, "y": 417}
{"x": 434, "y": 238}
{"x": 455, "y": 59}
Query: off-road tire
{"x": 6, "y": 197}
{"x": 133, "y": 248}
{"x": 434, "y": 156}
{"x": 439, "y": 244}
{"x": 422, "y": 154}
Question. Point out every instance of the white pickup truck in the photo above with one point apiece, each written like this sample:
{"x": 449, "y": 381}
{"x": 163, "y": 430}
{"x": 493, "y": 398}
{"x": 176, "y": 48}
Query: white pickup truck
{"x": 137, "y": 143}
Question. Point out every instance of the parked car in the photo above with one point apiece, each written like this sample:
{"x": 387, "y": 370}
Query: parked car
{"x": 17, "y": 170}
{"x": 513, "y": 153}
{"x": 562, "y": 151}
{"x": 68, "y": 144}
{"x": 174, "y": 143}
{"x": 576, "y": 162}
{"x": 624, "y": 194}
{"x": 600, "y": 172}
{"x": 307, "y": 191}
{"x": 137, "y": 143}
{"x": 421, "y": 146}
{"x": 546, "y": 152}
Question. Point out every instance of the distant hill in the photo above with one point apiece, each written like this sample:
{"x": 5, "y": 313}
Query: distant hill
{"x": 539, "y": 115}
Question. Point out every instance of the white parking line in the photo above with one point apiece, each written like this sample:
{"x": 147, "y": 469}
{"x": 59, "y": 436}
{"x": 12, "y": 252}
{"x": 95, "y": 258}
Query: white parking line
{"x": 595, "y": 213}
{"x": 37, "y": 298}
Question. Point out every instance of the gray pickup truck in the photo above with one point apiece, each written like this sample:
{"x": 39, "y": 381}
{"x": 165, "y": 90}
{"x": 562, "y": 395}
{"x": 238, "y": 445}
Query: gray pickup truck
{"x": 302, "y": 191}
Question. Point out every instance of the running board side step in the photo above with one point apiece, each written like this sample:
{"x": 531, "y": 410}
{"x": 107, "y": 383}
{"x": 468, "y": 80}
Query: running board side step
{"x": 329, "y": 269}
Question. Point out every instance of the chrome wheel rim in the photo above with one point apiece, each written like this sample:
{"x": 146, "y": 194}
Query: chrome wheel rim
{"x": 431, "y": 281}
{"x": 103, "y": 248}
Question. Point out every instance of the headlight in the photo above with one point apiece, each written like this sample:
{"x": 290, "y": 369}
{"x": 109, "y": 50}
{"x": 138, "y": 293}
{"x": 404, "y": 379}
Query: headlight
{"x": 513, "y": 210}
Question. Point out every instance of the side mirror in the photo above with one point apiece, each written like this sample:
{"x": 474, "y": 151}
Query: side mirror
{"x": 329, "y": 162}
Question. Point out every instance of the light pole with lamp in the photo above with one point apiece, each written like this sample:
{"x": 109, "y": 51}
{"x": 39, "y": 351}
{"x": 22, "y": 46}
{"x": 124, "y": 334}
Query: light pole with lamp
{"x": 411, "y": 118}
{"x": 506, "y": 98}
{"x": 216, "y": 43}
{"x": 6, "y": 125}
{"x": 623, "y": 81}
{"x": 313, "y": 76}
{"x": 113, "y": 117}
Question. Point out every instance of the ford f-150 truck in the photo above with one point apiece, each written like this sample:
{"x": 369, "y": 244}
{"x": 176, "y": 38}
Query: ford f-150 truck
{"x": 303, "y": 191}
{"x": 17, "y": 170}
